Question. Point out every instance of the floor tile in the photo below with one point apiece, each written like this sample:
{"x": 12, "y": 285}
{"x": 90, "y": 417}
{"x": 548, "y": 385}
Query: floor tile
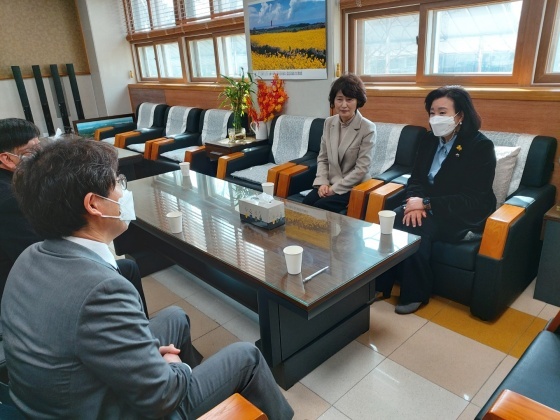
{"x": 200, "y": 323}
{"x": 527, "y": 337}
{"x": 448, "y": 359}
{"x": 549, "y": 312}
{"x": 526, "y": 303}
{"x": 469, "y": 413}
{"x": 388, "y": 330}
{"x": 333, "y": 414}
{"x": 345, "y": 369}
{"x": 214, "y": 341}
{"x": 501, "y": 334}
{"x": 306, "y": 404}
{"x": 494, "y": 381}
{"x": 179, "y": 281}
{"x": 157, "y": 295}
{"x": 245, "y": 327}
{"x": 214, "y": 306}
{"x": 391, "y": 391}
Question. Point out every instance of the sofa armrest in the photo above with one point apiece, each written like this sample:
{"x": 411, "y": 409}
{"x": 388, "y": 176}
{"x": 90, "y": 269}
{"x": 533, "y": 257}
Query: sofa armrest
{"x": 357, "y": 202}
{"x": 195, "y": 153}
{"x": 149, "y": 145}
{"x": 377, "y": 200}
{"x": 98, "y": 135}
{"x": 121, "y": 137}
{"x": 496, "y": 230}
{"x": 223, "y": 163}
{"x": 157, "y": 148}
{"x": 511, "y": 405}
{"x": 252, "y": 156}
{"x": 235, "y": 407}
{"x": 272, "y": 175}
{"x": 284, "y": 179}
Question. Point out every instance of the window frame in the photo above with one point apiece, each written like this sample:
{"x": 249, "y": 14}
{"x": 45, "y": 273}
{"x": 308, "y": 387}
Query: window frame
{"x": 542, "y": 76}
{"x": 192, "y": 78}
{"x": 159, "y": 78}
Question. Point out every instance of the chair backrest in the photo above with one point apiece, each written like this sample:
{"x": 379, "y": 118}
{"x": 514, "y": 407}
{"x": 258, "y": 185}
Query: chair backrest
{"x": 181, "y": 119}
{"x": 150, "y": 115}
{"x": 290, "y": 137}
{"x": 409, "y": 141}
{"x": 214, "y": 123}
{"x": 386, "y": 142}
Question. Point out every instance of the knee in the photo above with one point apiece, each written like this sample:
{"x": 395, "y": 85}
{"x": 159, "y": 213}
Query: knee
{"x": 175, "y": 315}
{"x": 246, "y": 352}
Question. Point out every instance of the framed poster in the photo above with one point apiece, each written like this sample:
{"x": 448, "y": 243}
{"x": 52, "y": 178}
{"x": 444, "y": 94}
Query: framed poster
{"x": 289, "y": 38}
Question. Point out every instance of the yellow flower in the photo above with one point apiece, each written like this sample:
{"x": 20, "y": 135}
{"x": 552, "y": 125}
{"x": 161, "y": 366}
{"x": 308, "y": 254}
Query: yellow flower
{"x": 459, "y": 148}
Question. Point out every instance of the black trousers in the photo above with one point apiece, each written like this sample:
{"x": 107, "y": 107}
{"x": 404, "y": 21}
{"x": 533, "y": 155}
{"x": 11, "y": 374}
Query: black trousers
{"x": 130, "y": 271}
{"x": 335, "y": 203}
{"x": 415, "y": 273}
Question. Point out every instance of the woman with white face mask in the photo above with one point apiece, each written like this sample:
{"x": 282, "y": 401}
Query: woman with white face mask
{"x": 448, "y": 194}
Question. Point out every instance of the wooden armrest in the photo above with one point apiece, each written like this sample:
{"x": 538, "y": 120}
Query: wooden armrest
{"x": 554, "y": 324}
{"x": 496, "y": 230}
{"x": 97, "y": 134}
{"x": 284, "y": 178}
{"x": 121, "y": 138}
{"x": 273, "y": 172}
{"x": 356, "y": 204}
{"x": 154, "y": 152}
{"x": 148, "y": 148}
{"x": 223, "y": 162}
{"x": 192, "y": 151}
{"x": 510, "y": 405}
{"x": 377, "y": 199}
{"x": 235, "y": 407}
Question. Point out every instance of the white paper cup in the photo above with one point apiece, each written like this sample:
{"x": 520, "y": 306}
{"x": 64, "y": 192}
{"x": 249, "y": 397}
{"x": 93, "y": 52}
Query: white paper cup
{"x": 386, "y": 244}
{"x": 175, "y": 219}
{"x": 293, "y": 254}
{"x": 268, "y": 188}
{"x": 386, "y": 221}
{"x": 185, "y": 168}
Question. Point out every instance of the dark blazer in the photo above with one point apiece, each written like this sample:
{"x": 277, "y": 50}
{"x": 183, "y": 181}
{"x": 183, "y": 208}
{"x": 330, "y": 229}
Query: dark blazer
{"x": 461, "y": 195}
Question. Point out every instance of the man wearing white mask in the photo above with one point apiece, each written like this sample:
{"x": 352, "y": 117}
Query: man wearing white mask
{"x": 448, "y": 194}
{"x": 77, "y": 342}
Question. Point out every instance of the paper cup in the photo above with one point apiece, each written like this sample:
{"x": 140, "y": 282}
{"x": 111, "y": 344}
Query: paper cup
{"x": 293, "y": 254}
{"x": 175, "y": 219}
{"x": 268, "y": 187}
{"x": 386, "y": 221}
{"x": 185, "y": 168}
{"x": 386, "y": 245}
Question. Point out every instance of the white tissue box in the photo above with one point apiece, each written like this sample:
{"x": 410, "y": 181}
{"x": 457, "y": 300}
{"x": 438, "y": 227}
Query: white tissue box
{"x": 264, "y": 214}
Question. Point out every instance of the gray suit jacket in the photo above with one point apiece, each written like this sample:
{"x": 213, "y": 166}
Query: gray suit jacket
{"x": 344, "y": 163}
{"x": 77, "y": 341}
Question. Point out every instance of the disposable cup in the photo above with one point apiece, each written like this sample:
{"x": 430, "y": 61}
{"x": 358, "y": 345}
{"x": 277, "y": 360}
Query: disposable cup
{"x": 386, "y": 245}
{"x": 386, "y": 221}
{"x": 175, "y": 219}
{"x": 293, "y": 254}
{"x": 185, "y": 168}
{"x": 268, "y": 188}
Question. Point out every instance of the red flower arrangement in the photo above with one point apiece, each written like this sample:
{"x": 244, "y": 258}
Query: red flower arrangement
{"x": 270, "y": 99}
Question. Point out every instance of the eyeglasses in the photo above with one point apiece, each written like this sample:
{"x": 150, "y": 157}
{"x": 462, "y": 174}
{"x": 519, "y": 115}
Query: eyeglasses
{"x": 121, "y": 180}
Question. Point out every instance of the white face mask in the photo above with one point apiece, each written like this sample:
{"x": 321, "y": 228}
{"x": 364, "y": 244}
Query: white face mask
{"x": 126, "y": 206}
{"x": 443, "y": 125}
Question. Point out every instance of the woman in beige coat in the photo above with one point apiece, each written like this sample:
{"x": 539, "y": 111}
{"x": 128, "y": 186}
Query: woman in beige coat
{"x": 346, "y": 147}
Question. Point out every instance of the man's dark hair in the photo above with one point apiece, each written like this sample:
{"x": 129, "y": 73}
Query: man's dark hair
{"x": 15, "y": 132}
{"x": 51, "y": 183}
{"x": 351, "y": 86}
{"x": 462, "y": 102}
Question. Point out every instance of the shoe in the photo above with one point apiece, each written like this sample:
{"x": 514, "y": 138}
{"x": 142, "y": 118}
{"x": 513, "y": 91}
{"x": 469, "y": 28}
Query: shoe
{"x": 380, "y": 296}
{"x": 408, "y": 308}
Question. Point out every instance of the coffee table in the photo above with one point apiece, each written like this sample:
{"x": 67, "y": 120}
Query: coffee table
{"x": 127, "y": 159}
{"x": 217, "y": 148}
{"x": 301, "y": 323}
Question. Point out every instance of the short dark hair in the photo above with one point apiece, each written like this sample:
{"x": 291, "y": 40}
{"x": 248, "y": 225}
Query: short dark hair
{"x": 15, "y": 132}
{"x": 52, "y": 182}
{"x": 461, "y": 101}
{"x": 351, "y": 86}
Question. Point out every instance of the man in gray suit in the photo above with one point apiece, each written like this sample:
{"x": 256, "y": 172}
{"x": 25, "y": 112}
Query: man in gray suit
{"x": 77, "y": 342}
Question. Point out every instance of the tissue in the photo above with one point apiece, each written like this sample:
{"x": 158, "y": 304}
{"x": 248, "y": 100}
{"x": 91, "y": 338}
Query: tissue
{"x": 262, "y": 210}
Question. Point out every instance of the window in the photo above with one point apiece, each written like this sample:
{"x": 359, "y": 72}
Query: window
{"x": 160, "y": 61}
{"x": 202, "y": 58}
{"x": 150, "y": 14}
{"x": 147, "y": 60}
{"x": 232, "y": 53}
{"x": 548, "y": 60}
{"x": 473, "y": 40}
{"x": 195, "y": 9}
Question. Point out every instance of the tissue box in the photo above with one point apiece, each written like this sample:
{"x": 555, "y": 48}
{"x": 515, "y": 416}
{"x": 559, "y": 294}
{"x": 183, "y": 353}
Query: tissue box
{"x": 264, "y": 214}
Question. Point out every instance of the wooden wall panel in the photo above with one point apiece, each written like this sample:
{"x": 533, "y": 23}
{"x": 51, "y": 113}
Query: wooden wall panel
{"x": 139, "y": 95}
{"x": 204, "y": 99}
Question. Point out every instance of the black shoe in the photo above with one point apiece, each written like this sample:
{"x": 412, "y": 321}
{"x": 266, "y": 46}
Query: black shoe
{"x": 408, "y": 308}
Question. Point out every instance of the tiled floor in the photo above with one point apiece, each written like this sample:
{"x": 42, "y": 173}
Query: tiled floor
{"x": 440, "y": 363}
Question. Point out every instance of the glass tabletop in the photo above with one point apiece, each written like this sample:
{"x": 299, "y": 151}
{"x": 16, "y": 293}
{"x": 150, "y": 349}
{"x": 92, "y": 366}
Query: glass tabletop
{"x": 351, "y": 248}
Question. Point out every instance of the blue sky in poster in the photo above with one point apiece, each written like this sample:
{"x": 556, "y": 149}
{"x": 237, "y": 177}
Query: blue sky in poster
{"x": 286, "y": 12}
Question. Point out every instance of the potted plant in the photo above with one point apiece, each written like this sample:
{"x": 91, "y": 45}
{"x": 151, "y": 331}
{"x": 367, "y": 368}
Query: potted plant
{"x": 237, "y": 95}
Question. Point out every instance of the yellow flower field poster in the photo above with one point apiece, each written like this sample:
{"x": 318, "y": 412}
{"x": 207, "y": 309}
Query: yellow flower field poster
{"x": 288, "y": 37}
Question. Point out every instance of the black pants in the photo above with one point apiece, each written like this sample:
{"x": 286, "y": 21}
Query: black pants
{"x": 415, "y": 273}
{"x": 335, "y": 203}
{"x": 130, "y": 271}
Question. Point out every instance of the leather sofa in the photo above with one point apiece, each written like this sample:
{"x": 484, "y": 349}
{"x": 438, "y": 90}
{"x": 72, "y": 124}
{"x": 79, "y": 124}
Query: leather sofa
{"x": 487, "y": 272}
{"x": 531, "y": 390}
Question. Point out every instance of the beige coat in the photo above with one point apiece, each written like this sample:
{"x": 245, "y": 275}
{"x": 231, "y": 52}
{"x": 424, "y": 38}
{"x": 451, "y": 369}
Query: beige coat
{"x": 343, "y": 164}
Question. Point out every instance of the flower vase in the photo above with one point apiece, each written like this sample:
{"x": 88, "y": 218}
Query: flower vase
{"x": 260, "y": 129}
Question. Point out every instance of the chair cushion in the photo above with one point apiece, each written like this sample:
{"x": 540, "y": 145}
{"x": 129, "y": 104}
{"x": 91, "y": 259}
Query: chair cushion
{"x": 110, "y": 140}
{"x": 137, "y": 147}
{"x": 255, "y": 174}
{"x": 506, "y": 159}
{"x": 387, "y": 137}
{"x": 290, "y": 137}
{"x": 178, "y": 155}
{"x": 177, "y": 120}
{"x": 461, "y": 255}
{"x": 215, "y": 125}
